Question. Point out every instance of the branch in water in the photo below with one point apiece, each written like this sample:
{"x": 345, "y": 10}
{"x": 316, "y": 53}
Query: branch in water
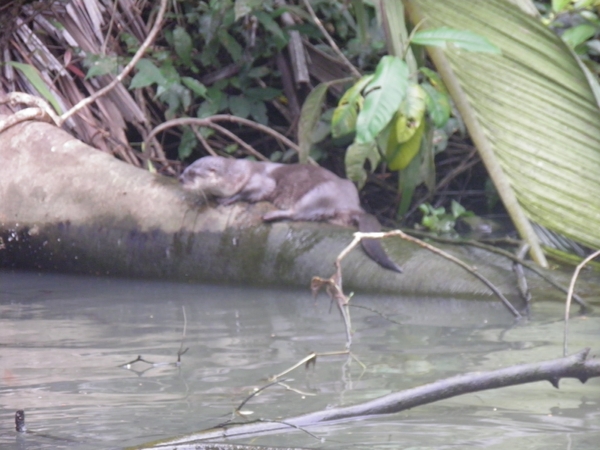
{"x": 575, "y": 366}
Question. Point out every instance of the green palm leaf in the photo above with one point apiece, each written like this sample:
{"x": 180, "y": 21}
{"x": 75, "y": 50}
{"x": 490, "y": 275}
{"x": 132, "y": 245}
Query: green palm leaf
{"x": 533, "y": 107}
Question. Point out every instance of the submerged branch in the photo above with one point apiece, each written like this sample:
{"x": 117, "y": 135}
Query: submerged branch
{"x": 576, "y": 366}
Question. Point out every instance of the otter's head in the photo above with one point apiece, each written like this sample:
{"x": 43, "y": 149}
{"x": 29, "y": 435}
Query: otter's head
{"x": 211, "y": 175}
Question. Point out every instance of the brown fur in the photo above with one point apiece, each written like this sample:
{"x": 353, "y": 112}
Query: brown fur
{"x": 299, "y": 191}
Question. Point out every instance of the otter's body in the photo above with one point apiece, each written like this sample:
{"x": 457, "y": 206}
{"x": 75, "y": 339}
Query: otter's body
{"x": 299, "y": 191}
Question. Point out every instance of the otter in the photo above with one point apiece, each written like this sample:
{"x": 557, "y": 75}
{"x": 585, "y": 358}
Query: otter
{"x": 299, "y": 191}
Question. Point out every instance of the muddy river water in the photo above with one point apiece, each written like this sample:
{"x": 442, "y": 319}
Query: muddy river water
{"x": 64, "y": 341}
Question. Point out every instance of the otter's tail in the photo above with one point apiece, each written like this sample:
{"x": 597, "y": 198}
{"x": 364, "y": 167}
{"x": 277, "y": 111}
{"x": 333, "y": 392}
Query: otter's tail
{"x": 372, "y": 247}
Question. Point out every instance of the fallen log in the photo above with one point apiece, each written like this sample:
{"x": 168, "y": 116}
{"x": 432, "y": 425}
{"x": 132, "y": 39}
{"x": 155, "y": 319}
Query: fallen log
{"x": 577, "y": 366}
{"x": 67, "y": 207}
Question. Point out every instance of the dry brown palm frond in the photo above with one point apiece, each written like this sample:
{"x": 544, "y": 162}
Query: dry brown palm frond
{"x": 55, "y": 38}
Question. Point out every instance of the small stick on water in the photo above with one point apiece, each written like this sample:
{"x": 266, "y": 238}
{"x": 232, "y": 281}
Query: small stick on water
{"x": 333, "y": 288}
{"x": 296, "y": 390}
{"x": 183, "y": 333}
{"x": 20, "y": 421}
{"x": 520, "y": 274}
{"x": 379, "y": 313}
{"x": 312, "y": 357}
{"x": 256, "y": 392}
{"x": 570, "y": 295}
{"x": 309, "y": 359}
{"x": 180, "y": 352}
{"x": 292, "y": 426}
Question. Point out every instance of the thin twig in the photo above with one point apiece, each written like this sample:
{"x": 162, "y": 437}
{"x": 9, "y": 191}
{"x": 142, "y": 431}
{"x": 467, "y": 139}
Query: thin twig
{"x": 570, "y": 294}
{"x": 330, "y": 40}
{"x": 204, "y": 142}
{"x": 296, "y": 390}
{"x": 358, "y": 236}
{"x": 379, "y": 313}
{"x": 310, "y": 358}
{"x": 292, "y": 426}
{"x": 209, "y": 122}
{"x": 251, "y": 150}
{"x": 254, "y": 393}
{"x": 128, "y": 68}
{"x": 529, "y": 265}
{"x": 181, "y": 351}
{"x": 303, "y": 361}
{"x": 520, "y": 274}
{"x": 333, "y": 288}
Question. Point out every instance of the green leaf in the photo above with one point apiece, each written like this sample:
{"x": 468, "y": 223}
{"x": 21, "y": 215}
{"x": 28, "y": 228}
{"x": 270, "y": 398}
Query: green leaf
{"x": 413, "y": 110}
{"x": 183, "y": 45}
{"x": 195, "y": 86}
{"x": 428, "y": 154}
{"x": 457, "y": 209}
{"x": 34, "y": 78}
{"x": 239, "y": 106}
{"x": 100, "y": 65}
{"x": 258, "y": 112}
{"x": 259, "y": 72}
{"x": 311, "y": 111}
{"x": 466, "y": 40}
{"x": 177, "y": 97}
{"x": 216, "y": 102}
{"x": 383, "y": 96}
{"x": 408, "y": 180}
{"x": 438, "y": 105}
{"x": 560, "y": 5}
{"x": 263, "y": 94}
{"x": 147, "y": 74}
{"x": 207, "y": 109}
{"x": 578, "y": 35}
{"x": 435, "y": 79}
{"x": 278, "y": 35}
{"x": 535, "y": 110}
{"x": 170, "y": 74}
{"x": 187, "y": 143}
{"x": 231, "y": 45}
{"x": 400, "y": 155}
{"x": 355, "y": 158}
{"x": 343, "y": 121}
{"x": 244, "y": 7}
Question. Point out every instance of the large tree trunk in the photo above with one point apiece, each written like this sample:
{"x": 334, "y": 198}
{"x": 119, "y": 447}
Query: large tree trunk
{"x": 65, "y": 206}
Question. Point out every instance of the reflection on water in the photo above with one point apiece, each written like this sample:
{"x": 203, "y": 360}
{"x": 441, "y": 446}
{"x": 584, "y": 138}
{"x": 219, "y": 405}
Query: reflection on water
{"x": 63, "y": 340}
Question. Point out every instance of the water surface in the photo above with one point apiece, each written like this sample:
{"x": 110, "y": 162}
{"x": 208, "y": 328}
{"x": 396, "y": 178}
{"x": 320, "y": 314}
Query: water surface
{"x": 64, "y": 339}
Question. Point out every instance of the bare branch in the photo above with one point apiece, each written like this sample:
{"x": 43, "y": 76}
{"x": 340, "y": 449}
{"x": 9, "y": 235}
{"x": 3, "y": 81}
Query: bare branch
{"x": 570, "y": 295}
{"x": 128, "y": 68}
{"x": 330, "y": 40}
{"x": 576, "y": 366}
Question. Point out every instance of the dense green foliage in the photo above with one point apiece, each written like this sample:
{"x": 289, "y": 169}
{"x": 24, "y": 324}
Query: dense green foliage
{"x": 384, "y": 104}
